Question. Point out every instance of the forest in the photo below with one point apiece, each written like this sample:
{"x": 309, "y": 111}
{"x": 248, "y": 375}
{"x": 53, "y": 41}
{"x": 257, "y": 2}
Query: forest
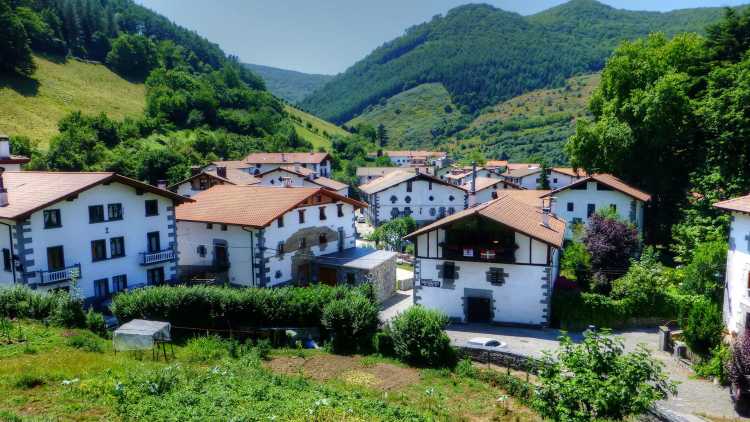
{"x": 484, "y": 55}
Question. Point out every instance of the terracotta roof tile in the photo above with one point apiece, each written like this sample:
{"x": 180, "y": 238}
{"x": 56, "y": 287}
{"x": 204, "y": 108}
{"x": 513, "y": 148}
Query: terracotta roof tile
{"x": 382, "y": 171}
{"x": 419, "y": 154}
{"x": 252, "y": 206}
{"x": 522, "y": 172}
{"x": 741, "y": 204}
{"x": 511, "y": 213}
{"x": 30, "y": 191}
{"x": 611, "y": 181}
{"x": 305, "y": 172}
{"x": 570, "y": 171}
{"x": 393, "y": 179}
{"x": 286, "y": 157}
{"x": 487, "y": 182}
{"x": 516, "y": 166}
{"x": 496, "y": 163}
{"x": 531, "y": 197}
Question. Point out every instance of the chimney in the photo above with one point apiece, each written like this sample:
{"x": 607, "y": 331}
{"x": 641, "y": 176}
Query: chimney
{"x": 4, "y": 146}
{"x": 194, "y": 170}
{"x": 161, "y": 184}
{"x": 546, "y": 211}
{"x": 221, "y": 171}
{"x": 3, "y": 191}
{"x": 474, "y": 178}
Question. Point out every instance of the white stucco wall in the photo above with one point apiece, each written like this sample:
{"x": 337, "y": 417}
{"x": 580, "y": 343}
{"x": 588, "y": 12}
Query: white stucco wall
{"x": 422, "y": 201}
{"x": 558, "y": 180}
{"x": 602, "y": 199}
{"x": 323, "y": 169}
{"x": 7, "y": 230}
{"x": 76, "y": 235}
{"x": 736, "y": 293}
{"x": 273, "y": 178}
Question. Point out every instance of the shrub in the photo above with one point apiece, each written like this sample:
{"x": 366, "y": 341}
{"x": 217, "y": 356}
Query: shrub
{"x": 28, "y": 381}
{"x": 383, "y": 343}
{"x": 716, "y": 365}
{"x": 597, "y": 380}
{"x": 702, "y": 327}
{"x": 611, "y": 244}
{"x": 419, "y": 339}
{"x": 352, "y": 321}
{"x": 263, "y": 348}
{"x": 67, "y": 310}
{"x": 576, "y": 264}
{"x": 465, "y": 368}
{"x": 224, "y": 308}
{"x": 709, "y": 259}
{"x": 85, "y": 341}
{"x": 22, "y": 302}
{"x": 95, "y": 322}
{"x": 206, "y": 349}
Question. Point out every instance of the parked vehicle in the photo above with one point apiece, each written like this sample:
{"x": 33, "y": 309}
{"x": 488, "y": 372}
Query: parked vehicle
{"x": 487, "y": 343}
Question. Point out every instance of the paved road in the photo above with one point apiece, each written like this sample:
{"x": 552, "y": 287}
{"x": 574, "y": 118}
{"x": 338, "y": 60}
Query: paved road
{"x": 695, "y": 397}
{"x": 396, "y": 304}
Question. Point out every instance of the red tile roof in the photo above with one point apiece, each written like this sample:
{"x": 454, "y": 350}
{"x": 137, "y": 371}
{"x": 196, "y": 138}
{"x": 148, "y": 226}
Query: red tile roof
{"x": 741, "y": 204}
{"x": 496, "y": 163}
{"x": 14, "y": 159}
{"x": 30, "y": 191}
{"x": 393, "y": 179}
{"x": 305, "y": 172}
{"x": 251, "y": 206}
{"x": 512, "y": 213}
{"x": 570, "y": 171}
{"x": 419, "y": 154}
{"x": 516, "y": 166}
{"x": 286, "y": 157}
{"x": 611, "y": 181}
{"x": 486, "y": 182}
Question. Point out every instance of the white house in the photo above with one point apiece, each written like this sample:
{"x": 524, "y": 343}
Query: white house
{"x": 8, "y": 161}
{"x": 737, "y": 286}
{"x": 528, "y": 178}
{"x": 298, "y": 176}
{"x": 576, "y": 202}
{"x": 462, "y": 175}
{"x": 368, "y": 174}
{"x": 261, "y": 162}
{"x": 486, "y": 189}
{"x": 262, "y": 236}
{"x": 563, "y": 176}
{"x": 109, "y": 231}
{"x": 217, "y": 173}
{"x": 495, "y": 262}
{"x": 405, "y": 193}
{"x": 417, "y": 158}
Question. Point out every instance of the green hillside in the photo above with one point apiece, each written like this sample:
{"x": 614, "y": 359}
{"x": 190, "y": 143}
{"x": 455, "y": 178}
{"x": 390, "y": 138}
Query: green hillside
{"x": 290, "y": 85}
{"x": 414, "y": 117}
{"x": 483, "y": 55}
{"x": 32, "y": 107}
{"x": 314, "y": 129}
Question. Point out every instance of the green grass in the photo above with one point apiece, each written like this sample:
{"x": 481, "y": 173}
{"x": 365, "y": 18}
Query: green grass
{"x": 211, "y": 379}
{"x": 32, "y": 107}
{"x": 411, "y": 117}
{"x": 315, "y": 130}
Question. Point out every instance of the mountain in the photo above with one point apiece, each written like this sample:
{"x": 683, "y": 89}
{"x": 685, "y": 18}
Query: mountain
{"x": 483, "y": 55}
{"x": 290, "y": 85}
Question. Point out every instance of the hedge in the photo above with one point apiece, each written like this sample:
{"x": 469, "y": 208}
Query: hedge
{"x": 573, "y": 309}
{"x": 58, "y": 308}
{"x": 227, "y": 308}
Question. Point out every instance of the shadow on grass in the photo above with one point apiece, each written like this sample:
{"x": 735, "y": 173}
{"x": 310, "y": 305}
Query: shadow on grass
{"x": 28, "y": 87}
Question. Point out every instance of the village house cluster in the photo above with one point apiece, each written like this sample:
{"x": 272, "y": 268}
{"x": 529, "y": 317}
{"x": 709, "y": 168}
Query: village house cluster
{"x": 487, "y": 248}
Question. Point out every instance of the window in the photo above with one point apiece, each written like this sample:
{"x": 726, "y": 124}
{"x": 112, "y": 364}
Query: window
{"x": 571, "y": 207}
{"x": 554, "y": 180}
{"x": 223, "y": 227}
{"x": 451, "y": 198}
{"x": 431, "y": 198}
{"x": 496, "y": 276}
{"x": 301, "y": 216}
{"x": 322, "y": 213}
{"x": 429, "y": 186}
{"x": 408, "y": 199}
{"x": 451, "y": 210}
{"x": 280, "y": 248}
{"x": 433, "y": 211}
{"x": 52, "y": 219}
{"x": 393, "y": 199}
{"x": 55, "y": 258}
{"x": 155, "y": 276}
{"x": 114, "y": 212}
{"x": 613, "y": 207}
{"x": 590, "y": 210}
{"x": 322, "y": 239}
{"x": 101, "y": 287}
{"x": 152, "y": 207}
{"x": 340, "y": 210}
{"x": 748, "y": 280}
{"x": 209, "y": 226}
{"x": 98, "y": 250}
{"x": 577, "y": 220}
{"x": 408, "y": 186}
{"x": 96, "y": 213}
{"x": 119, "y": 283}
{"x": 280, "y": 221}
{"x": 7, "y": 261}
{"x": 117, "y": 247}
{"x": 449, "y": 270}
{"x": 494, "y": 194}
{"x": 153, "y": 242}
{"x": 202, "y": 251}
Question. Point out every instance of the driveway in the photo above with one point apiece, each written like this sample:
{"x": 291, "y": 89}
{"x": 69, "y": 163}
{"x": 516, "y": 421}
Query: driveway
{"x": 396, "y": 304}
{"x": 695, "y": 397}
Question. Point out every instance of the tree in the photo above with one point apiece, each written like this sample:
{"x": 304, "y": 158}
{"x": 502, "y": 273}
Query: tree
{"x": 391, "y": 233}
{"x": 704, "y": 273}
{"x": 611, "y": 244}
{"x": 15, "y": 49}
{"x": 596, "y": 380}
{"x": 544, "y": 176}
{"x": 382, "y": 136}
{"x": 703, "y": 326}
{"x": 133, "y": 56}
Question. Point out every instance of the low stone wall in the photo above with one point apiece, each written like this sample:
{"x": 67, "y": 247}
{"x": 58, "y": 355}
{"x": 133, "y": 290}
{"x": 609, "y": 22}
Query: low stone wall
{"x": 504, "y": 359}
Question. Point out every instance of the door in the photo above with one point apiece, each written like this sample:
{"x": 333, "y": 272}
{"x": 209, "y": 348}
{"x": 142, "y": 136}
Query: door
{"x": 221, "y": 258}
{"x": 479, "y": 309}
{"x": 327, "y": 276}
{"x": 153, "y": 242}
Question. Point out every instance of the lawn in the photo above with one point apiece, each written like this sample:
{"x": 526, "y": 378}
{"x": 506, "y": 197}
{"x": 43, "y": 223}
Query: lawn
{"x": 72, "y": 375}
{"x": 32, "y": 107}
{"x": 314, "y": 129}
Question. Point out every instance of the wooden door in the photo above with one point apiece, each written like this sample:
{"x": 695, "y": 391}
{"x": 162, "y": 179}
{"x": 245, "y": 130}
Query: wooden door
{"x": 327, "y": 276}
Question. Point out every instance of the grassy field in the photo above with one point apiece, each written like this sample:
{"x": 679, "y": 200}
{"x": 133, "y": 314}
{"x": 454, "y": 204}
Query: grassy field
{"x": 314, "y": 129}
{"x": 32, "y": 107}
{"x": 58, "y": 374}
{"x": 412, "y": 116}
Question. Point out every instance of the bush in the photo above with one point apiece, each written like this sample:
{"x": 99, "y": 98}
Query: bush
{"x": 352, "y": 322}
{"x": 702, "y": 327}
{"x": 576, "y": 265}
{"x": 611, "y": 244}
{"x": 28, "y": 381}
{"x": 709, "y": 259}
{"x": 597, "y": 380}
{"x": 85, "y": 341}
{"x": 95, "y": 323}
{"x": 209, "y": 307}
{"x": 206, "y": 349}
{"x": 716, "y": 365}
{"x": 419, "y": 339}
{"x": 67, "y": 310}
{"x": 383, "y": 343}
{"x": 22, "y": 302}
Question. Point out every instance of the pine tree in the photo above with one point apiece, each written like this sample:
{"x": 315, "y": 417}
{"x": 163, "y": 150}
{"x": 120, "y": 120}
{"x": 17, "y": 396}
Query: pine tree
{"x": 382, "y": 135}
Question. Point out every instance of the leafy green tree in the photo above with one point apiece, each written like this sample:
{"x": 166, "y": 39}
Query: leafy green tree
{"x": 133, "y": 56}
{"x": 419, "y": 338}
{"x": 15, "y": 51}
{"x": 382, "y": 135}
{"x": 704, "y": 274}
{"x": 597, "y": 380}
{"x": 391, "y": 233}
{"x": 77, "y": 148}
{"x": 702, "y": 326}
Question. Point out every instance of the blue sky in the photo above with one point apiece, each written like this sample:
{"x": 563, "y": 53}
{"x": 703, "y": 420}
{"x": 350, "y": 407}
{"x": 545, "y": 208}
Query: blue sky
{"x": 327, "y": 36}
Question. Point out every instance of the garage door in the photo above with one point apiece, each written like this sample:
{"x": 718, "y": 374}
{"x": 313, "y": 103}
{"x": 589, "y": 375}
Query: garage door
{"x": 479, "y": 309}
{"x": 327, "y": 276}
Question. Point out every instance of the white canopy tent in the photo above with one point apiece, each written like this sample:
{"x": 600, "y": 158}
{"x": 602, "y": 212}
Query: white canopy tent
{"x": 140, "y": 334}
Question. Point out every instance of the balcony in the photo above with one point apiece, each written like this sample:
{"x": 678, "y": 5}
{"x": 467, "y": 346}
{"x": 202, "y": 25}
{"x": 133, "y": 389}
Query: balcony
{"x": 480, "y": 253}
{"x": 148, "y": 258}
{"x": 58, "y": 276}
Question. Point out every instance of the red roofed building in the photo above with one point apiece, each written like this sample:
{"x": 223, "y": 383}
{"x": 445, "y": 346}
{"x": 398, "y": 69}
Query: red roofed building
{"x": 737, "y": 276}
